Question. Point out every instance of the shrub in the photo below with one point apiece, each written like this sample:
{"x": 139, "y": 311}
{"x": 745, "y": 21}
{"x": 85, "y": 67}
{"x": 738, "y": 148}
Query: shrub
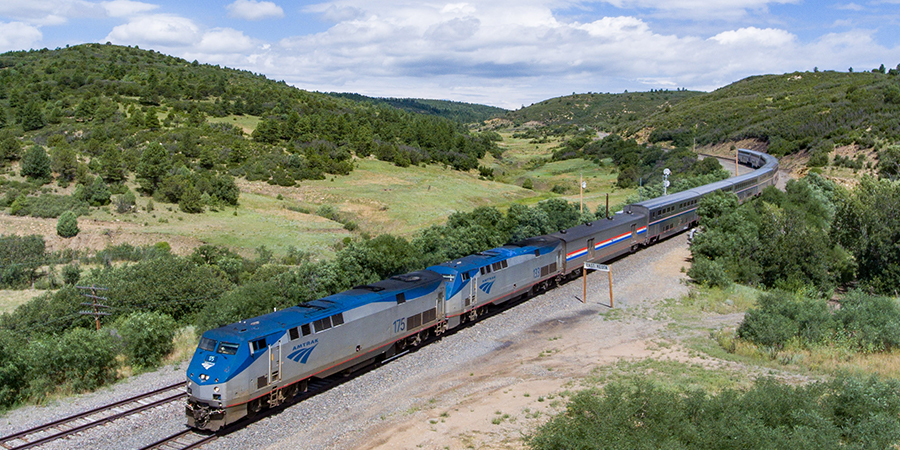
{"x": 709, "y": 272}
{"x": 872, "y": 322}
{"x": 71, "y": 273}
{"x": 82, "y": 359}
{"x": 147, "y": 337}
{"x": 67, "y": 226}
{"x": 528, "y": 184}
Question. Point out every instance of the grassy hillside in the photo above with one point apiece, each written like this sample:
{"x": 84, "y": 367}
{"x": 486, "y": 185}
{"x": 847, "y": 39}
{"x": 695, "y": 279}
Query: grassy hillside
{"x": 458, "y": 111}
{"x": 110, "y": 131}
{"x": 802, "y": 111}
{"x": 600, "y": 111}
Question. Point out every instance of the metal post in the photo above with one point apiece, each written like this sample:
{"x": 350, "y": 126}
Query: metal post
{"x": 607, "y": 206}
{"x": 584, "y": 273}
{"x": 581, "y": 194}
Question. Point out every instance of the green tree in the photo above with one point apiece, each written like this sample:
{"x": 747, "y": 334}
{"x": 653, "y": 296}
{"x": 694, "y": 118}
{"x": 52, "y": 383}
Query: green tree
{"x": 153, "y": 165}
{"x": 9, "y": 147}
{"x": 867, "y": 225}
{"x": 36, "y": 164}
{"x": 31, "y": 117}
{"x": 190, "y": 200}
{"x": 64, "y": 162}
{"x": 147, "y": 337}
{"x": 67, "y": 225}
{"x": 112, "y": 168}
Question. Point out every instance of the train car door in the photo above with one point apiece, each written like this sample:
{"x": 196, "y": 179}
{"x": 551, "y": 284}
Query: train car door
{"x": 439, "y": 306}
{"x": 590, "y": 247}
{"x": 473, "y": 290}
{"x": 275, "y": 362}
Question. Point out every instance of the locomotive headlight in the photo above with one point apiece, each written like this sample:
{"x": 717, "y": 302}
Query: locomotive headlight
{"x": 216, "y": 389}
{"x": 204, "y": 377}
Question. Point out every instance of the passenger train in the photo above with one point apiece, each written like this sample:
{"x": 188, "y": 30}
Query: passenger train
{"x": 241, "y": 368}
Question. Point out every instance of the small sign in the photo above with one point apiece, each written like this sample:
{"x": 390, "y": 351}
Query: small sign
{"x": 596, "y": 266}
{"x": 584, "y": 184}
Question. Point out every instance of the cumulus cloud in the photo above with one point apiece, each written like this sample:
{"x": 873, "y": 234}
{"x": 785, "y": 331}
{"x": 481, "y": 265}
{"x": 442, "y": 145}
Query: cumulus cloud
{"x": 18, "y": 35}
{"x": 49, "y": 12}
{"x": 768, "y": 37}
{"x": 225, "y": 40}
{"x": 152, "y": 30}
{"x": 398, "y": 48}
{"x": 254, "y": 10}
{"x": 126, "y": 8}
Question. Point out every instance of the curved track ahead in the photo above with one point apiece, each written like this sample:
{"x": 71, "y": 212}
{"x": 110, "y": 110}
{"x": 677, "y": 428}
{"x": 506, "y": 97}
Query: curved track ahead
{"x": 76, "y": 423}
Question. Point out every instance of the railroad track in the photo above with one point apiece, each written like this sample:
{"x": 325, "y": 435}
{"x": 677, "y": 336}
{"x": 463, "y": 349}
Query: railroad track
{"x": 183, "y": 440}
{"x": 190, "y": 438}
{"x": 66, "y": 426}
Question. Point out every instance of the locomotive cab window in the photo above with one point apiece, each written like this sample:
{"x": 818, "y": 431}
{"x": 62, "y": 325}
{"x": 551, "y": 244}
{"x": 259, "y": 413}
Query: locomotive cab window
{"x": 295, "y": 333}
{"x": 257, "y": 345}
{"x": 227, "y": 348}
{"x": 337, "y": 319}
{"x": 401, "y": 298}
{"x": 305, "y": 329}
{"x": 207, "y": 344}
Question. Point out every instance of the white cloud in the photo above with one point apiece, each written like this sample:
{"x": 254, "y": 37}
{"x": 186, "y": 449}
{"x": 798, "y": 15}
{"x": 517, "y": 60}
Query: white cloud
{"x": 768, "y": 37}
{"x": 49, "y": 12}
{"x": 126, "y": 8}
{"x": 254, "y": 10}
{"x": 18, "y": 35}
{"x": 155, "y": 30}
{"x": 225, "y": 40}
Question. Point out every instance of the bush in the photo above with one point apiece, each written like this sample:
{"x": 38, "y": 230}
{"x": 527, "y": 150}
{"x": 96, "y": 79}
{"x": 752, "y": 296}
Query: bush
{"x": 67, "y": 226}
{"x": 81, "y": 359}
{"x": 873, "y": 323}
{"x": 846, "y": 413}
{"x": 71, "y": 273}
{"x": 20, "y": 256}
{"x": 709, "y": 272}
{"x": 147, "y": 337}
{"x": 781, "y": 316}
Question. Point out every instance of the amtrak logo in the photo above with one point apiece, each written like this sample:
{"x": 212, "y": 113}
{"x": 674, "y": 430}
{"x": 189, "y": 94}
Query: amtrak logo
{"x": 210, "y": 361}
{"x": 302, "y": 351}
{"x": 486, "y": 286}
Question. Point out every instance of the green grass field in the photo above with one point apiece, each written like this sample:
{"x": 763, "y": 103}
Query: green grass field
{"x": 377, "y": 196}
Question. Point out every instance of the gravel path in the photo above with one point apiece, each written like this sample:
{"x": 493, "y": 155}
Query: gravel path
{"x": 443, "y": 395}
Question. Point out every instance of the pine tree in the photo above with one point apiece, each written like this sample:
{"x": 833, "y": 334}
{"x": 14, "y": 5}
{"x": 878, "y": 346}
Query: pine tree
{"x": 36, "y": 164}
{"x": 67, "y": 226}
{"x": 154, "y": 163}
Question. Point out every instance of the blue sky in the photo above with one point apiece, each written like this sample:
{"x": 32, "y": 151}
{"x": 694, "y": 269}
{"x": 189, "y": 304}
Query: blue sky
{"x": 507, "y": 53}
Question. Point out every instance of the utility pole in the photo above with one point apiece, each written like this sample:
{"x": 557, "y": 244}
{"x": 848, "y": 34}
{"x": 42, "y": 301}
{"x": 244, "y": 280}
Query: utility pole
{"x": 95, "y": 307}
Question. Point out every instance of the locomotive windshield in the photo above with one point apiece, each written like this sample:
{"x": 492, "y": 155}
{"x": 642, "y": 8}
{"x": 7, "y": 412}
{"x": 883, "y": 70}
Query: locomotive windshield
{"x": 227, "y": 348}
{"x": 207, "y": 344}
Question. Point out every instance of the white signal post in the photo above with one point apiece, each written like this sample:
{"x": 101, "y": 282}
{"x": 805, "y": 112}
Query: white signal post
{"x": 602, "y": 268}
{"x": 581, "y": 193}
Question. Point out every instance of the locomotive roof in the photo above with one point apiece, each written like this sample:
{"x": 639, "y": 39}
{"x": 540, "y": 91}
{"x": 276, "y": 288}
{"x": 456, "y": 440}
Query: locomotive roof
{"x": 379, "y": 291}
